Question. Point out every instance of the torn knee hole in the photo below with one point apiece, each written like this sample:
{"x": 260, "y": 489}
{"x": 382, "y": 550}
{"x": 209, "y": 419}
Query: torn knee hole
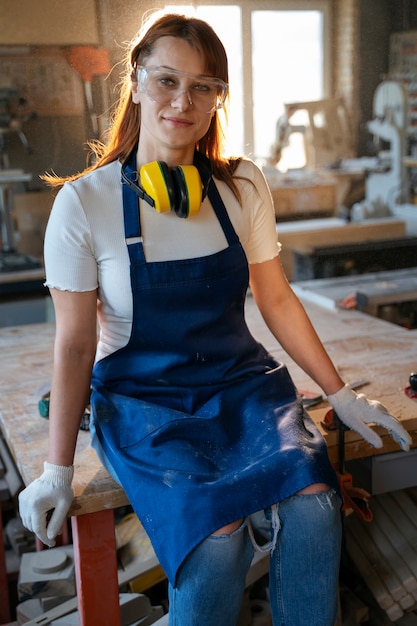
{"x": 229, "y": 528}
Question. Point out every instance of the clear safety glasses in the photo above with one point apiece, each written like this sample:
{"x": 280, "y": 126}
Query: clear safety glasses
{"x": 164, "y": 85}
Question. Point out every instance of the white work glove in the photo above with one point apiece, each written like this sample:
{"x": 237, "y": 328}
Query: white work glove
{"x": 355, "y": 410}
{"x": 52, "y": 491}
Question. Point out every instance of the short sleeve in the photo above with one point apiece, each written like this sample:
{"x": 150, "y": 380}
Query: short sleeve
{"x": 69, "y": 259}
{"x": 262, "y": 243}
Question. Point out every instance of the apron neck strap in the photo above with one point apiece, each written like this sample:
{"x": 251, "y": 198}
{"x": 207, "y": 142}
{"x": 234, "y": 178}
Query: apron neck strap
{"x": 131, "y": 204}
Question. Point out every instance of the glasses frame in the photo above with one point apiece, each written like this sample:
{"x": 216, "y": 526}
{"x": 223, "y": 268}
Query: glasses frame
{"x": 142, "y": 73}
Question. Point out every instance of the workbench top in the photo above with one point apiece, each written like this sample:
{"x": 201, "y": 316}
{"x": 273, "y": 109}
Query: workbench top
{"x": 26, "y": 368}
{"x": 22, "y": 276}
{"x": 361, "y": 346}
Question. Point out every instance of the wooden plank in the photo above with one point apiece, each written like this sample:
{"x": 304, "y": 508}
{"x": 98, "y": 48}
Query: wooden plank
{"x": 393, "y": 546}
{"x": 394, "y": 613}
{"x": 409, "y": 619}
{"x": 407, "y": 504}
{"x": 324, "y": 232}
{"x": 412, "y": 493}
{"x": 371, "y": 542}
{"x": 352, "y": 608}
{"x": 404, "y": 563}
{"x": 370, "y": 575}
{"x": 406, "y": 529}
{"x": 304, "y": 199}
{"x": 380, "y": 288}
{"x": 388, "y": 546}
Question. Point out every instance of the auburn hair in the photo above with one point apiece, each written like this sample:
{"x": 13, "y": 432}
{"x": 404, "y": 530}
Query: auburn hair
{"x": 124, "y": 130}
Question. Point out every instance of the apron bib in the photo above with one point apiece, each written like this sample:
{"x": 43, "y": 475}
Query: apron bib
{"x": 201, "y": 425}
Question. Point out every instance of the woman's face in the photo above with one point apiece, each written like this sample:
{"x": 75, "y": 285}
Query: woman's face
{"x": 170, "y": 131}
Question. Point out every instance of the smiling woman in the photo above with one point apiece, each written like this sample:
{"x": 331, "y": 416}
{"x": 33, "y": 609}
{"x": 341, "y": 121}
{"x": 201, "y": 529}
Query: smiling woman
{"x": 197, "y": 421}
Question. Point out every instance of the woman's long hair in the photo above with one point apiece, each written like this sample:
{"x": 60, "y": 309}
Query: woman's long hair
{"x": 125, "y": 127}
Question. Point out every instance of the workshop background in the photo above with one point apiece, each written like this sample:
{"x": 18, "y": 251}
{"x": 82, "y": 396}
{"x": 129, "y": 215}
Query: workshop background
{"x": 358, "y": 59}
{"x": 59, "y": 102}
{"x": 358, "y": 53}
{"x": 340, "y": 156}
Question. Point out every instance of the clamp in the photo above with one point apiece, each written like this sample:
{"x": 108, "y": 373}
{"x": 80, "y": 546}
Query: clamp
{"x": 354, "y": 498}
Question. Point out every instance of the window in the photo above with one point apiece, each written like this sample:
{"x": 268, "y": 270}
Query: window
{"x": 287, "y": 66}
{"x": 276, "y": 55}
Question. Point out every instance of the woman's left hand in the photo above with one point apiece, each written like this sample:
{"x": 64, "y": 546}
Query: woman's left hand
{"x": 356, "y": 411}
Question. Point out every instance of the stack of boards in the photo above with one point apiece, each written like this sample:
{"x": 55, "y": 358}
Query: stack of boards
{"x": 384, "y": 551}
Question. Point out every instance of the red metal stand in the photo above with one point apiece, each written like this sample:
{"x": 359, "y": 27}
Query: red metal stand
{"x": 96, "y": 568}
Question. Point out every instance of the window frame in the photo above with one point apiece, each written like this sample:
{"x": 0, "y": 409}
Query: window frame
{"x": 246, "y": 8}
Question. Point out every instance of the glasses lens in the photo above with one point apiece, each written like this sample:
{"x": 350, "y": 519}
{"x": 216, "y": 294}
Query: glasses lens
{"x": 163, "y": 86}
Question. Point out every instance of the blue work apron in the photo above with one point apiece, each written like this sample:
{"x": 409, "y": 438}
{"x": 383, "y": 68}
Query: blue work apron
{"x": 201, "y": 425}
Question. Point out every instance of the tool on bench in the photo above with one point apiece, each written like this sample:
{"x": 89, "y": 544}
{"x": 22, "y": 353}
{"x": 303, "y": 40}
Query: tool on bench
{"x": 43, "y": 408}
{"x": 411, "y": 389}
{"x": 310, "y": 398}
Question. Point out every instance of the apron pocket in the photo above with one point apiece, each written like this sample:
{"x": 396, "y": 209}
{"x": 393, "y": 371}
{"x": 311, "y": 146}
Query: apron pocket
{"x": 130, "y": 420}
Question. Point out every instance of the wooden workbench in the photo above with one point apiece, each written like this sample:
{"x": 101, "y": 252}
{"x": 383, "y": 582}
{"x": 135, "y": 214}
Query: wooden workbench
{"x": 332, "y": 231}
{"x": 359, "y": 345}
{"x": 26, "y": 360}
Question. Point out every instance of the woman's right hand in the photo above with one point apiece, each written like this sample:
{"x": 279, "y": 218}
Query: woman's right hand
{"x": 356, "y": 412}
{"x": 51, "y": 492}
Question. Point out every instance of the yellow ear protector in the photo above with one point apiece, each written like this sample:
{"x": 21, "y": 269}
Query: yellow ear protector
{"x": 177, "y": 189}
{"x": 181, "y": 189}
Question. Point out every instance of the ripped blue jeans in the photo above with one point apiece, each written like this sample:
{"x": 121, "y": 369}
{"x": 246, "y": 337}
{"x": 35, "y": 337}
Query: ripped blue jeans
{"x": 303, "y": 535}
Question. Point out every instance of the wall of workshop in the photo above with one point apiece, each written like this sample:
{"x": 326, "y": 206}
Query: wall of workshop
{"x": 56, "y": 140}
{"x": 360, "y": 60}
{"x": 346, "y": 58}
{"x": 47, "y": 22}
{"x": 377, "y": 20}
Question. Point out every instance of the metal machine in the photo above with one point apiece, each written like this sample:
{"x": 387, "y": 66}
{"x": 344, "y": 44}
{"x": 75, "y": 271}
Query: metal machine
{"x": 13, "y": 115}
{"x": 386, "y": 182}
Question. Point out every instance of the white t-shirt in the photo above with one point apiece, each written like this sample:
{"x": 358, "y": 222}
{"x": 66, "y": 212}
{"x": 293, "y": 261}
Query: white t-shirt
{"x": 85, "y": 247}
